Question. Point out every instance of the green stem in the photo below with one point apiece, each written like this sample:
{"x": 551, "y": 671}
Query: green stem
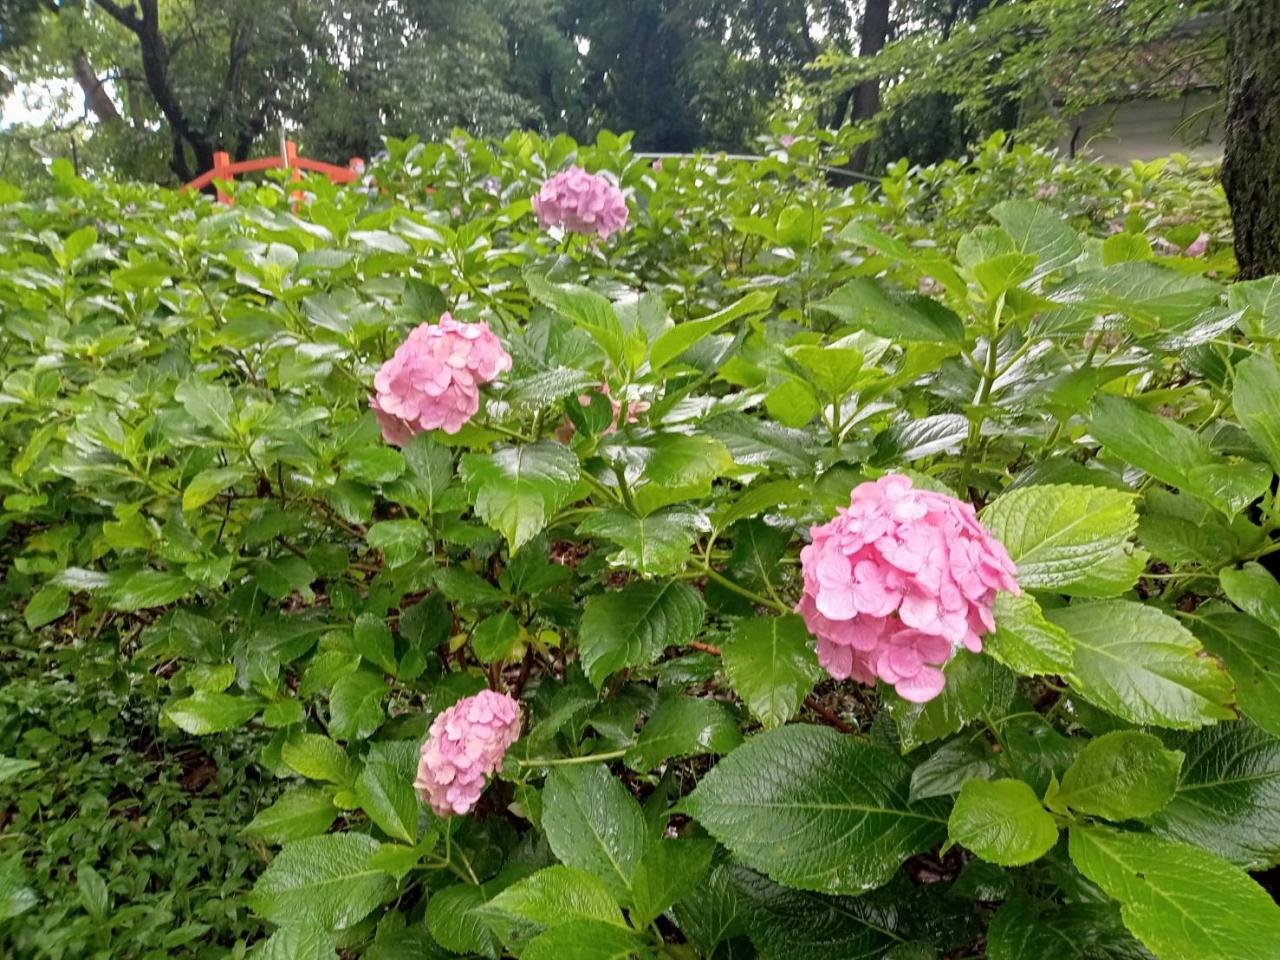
{"x": 751, "y": 595}
{"x": 571, "y": 761}
{"x": 624, "y": 490}
{"x": 989, "y": 374}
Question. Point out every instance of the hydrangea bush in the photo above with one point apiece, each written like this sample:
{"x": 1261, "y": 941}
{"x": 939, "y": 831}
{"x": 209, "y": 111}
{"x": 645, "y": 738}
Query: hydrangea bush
{"x": 765, "y": 576}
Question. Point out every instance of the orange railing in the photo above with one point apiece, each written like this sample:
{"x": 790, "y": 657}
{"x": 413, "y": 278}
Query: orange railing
{"x": 225, "y": 171}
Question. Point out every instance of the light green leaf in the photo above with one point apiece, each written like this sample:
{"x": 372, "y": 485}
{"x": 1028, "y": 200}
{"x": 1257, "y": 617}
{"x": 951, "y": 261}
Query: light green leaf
{"x": 669, "y": 872}
{"x": 631, "y": 626}
{"x": 772, "y": 666}
{"x": 387, "y": 796}
{"x": 302, "y": 812}
{"x": 593, "y": 823}
{"x": 355, "y": 705}
{"x": 317, "y": 757}
{"x": 865, "y": 304}
{"x": 1221, "y": 914}
{"x": 1251, "y": 651}
{"x": 1058, "y": 534}
{"x": 1143, "y": 666}
{"x": 400, "y": 541}
{"x": 516, "y": 490}
{"x": 207, "y": 484}
{"x": 145, "y": 589}
{"x": 974, "y": 685}
{"x": 495, "y": 637}
{"x": 209, "y": 404}
{"x": 11, "y": 767}
{"x": 670, "y": 344}
{"x": 1255, "y": 591}
{"x": 48, "y": 604}
{"x": 1120, "y": 775}
{"x": 1003, "y": 822}
{"x": 1228, "y": 798}
{"x": 655, "y": 545}
{"x": 1256, "y": 398}
{"x": 587, "y": 940}
{"x": 323, "y": 880}
{"x": 549, "y": 898}
{"x": 94, "y": 895}
{"x": 1025, "y": 642}
{"x": 206, "y": 712}
{"x": 372, "y": 639}
{"x": 816, "y": 810}
{"x": 833, "y": 370}
{"x": 1040, "y": 231}
{"x": 684, "y": 727}
{"x": 585, "y": 309}
{"x": 430, "y": 467}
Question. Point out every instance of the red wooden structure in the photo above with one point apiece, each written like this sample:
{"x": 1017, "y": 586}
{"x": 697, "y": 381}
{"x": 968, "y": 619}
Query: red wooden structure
{"x": 225, "y": 170}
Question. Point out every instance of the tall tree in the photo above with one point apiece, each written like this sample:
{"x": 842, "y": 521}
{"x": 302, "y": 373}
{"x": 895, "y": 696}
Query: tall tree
{"x": 1251, "y": 168}
{"x": 866, "y": 95}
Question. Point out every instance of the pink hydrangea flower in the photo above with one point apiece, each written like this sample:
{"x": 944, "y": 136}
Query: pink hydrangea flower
{"x": 581, "y": 202}
{"x": 897, "y": 582}
{"x": 1197, "y": 247}
{"x": 787, "y": 140}
{"x": 466, "y": 744}
{"x": 432, "y": 381}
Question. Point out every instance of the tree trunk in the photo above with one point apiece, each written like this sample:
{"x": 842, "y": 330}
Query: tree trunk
{"x": 1251, "y": 167}
{"x": 866, "y": 95}
{"x": 95, "y": 94}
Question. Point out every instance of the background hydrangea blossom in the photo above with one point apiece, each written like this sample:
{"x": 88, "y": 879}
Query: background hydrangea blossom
{"x": 581, "y": 202}
{"x": 466, "y": 744}
{"x": 897, "y": 581}
{"x": 432, "y": 381}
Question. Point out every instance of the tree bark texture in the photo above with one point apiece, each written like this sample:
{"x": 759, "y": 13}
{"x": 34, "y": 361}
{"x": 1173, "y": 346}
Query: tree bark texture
{"x": 1251, "y": 167}
{"x": 866, "y": 95}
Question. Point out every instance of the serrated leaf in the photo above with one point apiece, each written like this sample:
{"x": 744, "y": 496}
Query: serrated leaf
{"x": 631, "y": 626}
{"x": 951, "y": 766}
{"x": 1221, "y": 913}
{"x": 355, "y": 705}
{"x": 668, "y": 872}
{"x": 1040, "y": 231}
{"x": 587, "y": 940}
{"x": 1025, "y": 642}
{"x": 655, "y": 545}
{"x": 430, "y": 467}
{"x": 865, "y": 304}
{"x": 387, "y": 796}
{"x": 454, "y": 921}
{"x": 1256, "y": 399}
{"x": 495, "y": 637}
{"x": 400, "y": 541}
{"x": 1143, "y": 666}
{"x": 772, "y": 666}
{"x": 1021, "y": 930}
{"x": 593, "y": 823}
{"x": 1003, "y": 822}
{"x": 372, "y": 639}
{"x": 317, "y": 757}
{"x": 207, "y": 484}
{"x": 549, "y": 898}
{"x": 816, "y": 810}
{"x": 323, "y": 880}
{"x": 1059, "y": 534}
{"x": 145, "y": 589}
{"x": 516, "y": 490}
{"x": 206, "y": 712}
{"x": 974, "y": 685}
{"x": 1251, "y": 651}
{"x": 302, "y": 812}
{"x": 1120, "y": 775}
{"x": 684, "y": 727}
{"x": 1228, "y": 796}
{"x": 48, "y": 604}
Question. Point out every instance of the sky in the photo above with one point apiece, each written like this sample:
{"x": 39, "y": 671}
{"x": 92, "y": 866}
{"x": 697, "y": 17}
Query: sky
{"x": 37, "y": 102}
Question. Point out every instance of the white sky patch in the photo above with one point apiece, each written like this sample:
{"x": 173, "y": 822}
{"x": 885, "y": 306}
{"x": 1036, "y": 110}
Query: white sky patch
{"x": 56, "y": 101}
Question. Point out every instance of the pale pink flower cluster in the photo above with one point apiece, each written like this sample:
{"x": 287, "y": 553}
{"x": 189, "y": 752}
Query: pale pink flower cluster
{"x": 581, "y": 202}
{"x": 897, "y": 581}
{"x": 466, "y": 744}
{"x": 432, "y": 381}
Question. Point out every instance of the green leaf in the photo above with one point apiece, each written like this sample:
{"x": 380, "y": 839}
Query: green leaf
{"x": 317, "y": 757}
{"x": 206, "y": 712}
{"x": 865, "y": 304}
{"x": 372, "y": 639}
{"x": 1251, "y": 651}
{"x": 713, "y": 910}
{"x": 495, "y": 637}
{"x": 833, "y": 370}
{"x": 1143, "y": 666}
{"x": 296, "y": 943}
{"x": 1040, "y": 231}
{"x": 772, "y": 665}
{"x": 587, "y": 940}
{"x": 670, "y": 344}
{"x": 325, "y": 881}
{"x": 11, "y": 767}
{"x": 387, "y": 796}
{"x": 48, "y": 604}
{"x": 209, "y": 404}
{"x": 631, "y": 626}
{"x": 594, "y": 824}
{"x": 94, "y": 895}
{"x": 454, "y": 921}
{"x": 207, "y": 484}
{"x": 684, "y": 727}
{"x": 1220, "y": 913}
{"x": 430, "y": 467}
{"x": 585, "y": 309}
{"x": 549, "y": 898}
{"x": 1003, "y": 822}
{"x": 816, "y": 810}
{"x": 145, "y": 589}
{"x": 1120, "y": 775}
{"x": 1175, "y": 454}
{"x": 1255, "y": 591}
{"x": 16, "y": 895}
{"x": 1256, "y": 399}
{"x": 1025, "y": 642}
{"x": 355, "y": 705}
{"x": 656, "y": 545}
{"x": 374, "y": 464}
{"x": 400, "y": 541}
{"x": 516, "y": 490}
{"x": 670, "y": 871}
{"x": 1228, "y": 798}
{"x": 1022, "y": 930}
{"x": 302, "y": 812}
{"x": 951, "y": 766}
{"x": 1059, "y": 534}
{"x": 975, "y": 685}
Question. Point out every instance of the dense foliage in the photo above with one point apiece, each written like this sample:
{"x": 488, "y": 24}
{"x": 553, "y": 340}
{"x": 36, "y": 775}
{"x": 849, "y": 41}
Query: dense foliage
{"x": 243, "y": 609}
